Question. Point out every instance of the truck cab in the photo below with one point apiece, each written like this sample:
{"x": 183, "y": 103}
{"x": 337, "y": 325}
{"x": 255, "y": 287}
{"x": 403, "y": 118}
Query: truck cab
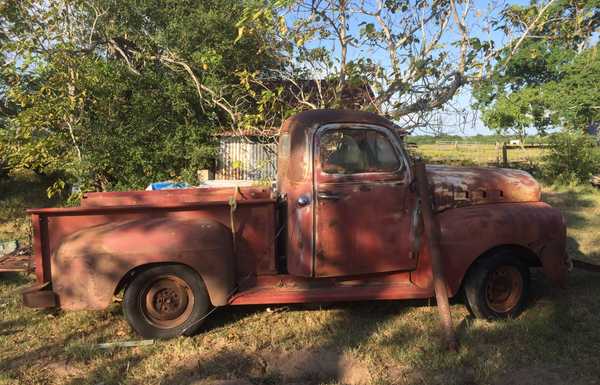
{"x": 349, "y": 198}
{"x": 343, "y": 224}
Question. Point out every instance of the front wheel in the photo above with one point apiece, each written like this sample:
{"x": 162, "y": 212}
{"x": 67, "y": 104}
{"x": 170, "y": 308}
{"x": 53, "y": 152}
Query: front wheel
{"x": 165, "y": 301}
{"x": 497, "y": 286}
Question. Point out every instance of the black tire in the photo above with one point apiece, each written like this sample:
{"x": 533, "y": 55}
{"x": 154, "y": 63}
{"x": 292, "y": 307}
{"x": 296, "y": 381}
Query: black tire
{"x": 165, "y": 301}
{"x": 497, "y": 286}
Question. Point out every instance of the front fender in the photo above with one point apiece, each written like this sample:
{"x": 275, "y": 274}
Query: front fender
{"x": 89, "y": 264}
{"x": 469, "y": 232}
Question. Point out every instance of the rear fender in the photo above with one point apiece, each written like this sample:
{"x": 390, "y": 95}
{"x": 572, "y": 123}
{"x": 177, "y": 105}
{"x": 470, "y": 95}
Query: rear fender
{"x": 89, "y": 264}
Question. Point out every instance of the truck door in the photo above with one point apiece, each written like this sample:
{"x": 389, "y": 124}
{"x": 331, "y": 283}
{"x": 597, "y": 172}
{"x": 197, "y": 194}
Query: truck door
{"x": 362, "y": 211}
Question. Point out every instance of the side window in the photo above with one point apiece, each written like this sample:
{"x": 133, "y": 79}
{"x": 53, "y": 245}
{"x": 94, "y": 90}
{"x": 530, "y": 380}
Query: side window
{"x": 350, "y": 151}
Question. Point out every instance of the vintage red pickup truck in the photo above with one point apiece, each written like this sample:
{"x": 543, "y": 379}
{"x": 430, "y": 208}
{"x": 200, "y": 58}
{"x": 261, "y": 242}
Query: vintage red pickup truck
{"x": 342, "y": 224}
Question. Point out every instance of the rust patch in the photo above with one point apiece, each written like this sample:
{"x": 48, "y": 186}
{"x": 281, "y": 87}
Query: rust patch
{"x": 464, "y": 186}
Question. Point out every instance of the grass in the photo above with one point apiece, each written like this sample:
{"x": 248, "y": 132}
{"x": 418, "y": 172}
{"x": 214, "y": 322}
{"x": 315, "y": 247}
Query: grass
{"x": 479, "y": 154}
{"x": 555, "y": 341}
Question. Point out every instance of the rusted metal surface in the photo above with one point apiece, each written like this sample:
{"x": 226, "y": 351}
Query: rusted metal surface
{"x": 168, "y": 301}
{"x": 86, "y": 251}
{"x": 295, "y": 178}
{"x": 39, "y": 296}
{"x": 504, "y": 289}
{"x": 364, "y": 214}
{"x": 13, "y": 263}
{"x": 282, "y": 289}
{"x": 535, "y": 230}
{"x": 163, "y": 198}
{"x": 364, "y": 243}
{"x": 379, "y": 230}
{"x": 246, "y": 159}
{"x": 464, "y": 186}
{"x": 39, "y": 251}
{"x": 432, "y": 232}
{"x": 87, "y": 265}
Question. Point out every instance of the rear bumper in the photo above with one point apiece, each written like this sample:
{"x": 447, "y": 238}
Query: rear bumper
{"x": 39, "y": 296}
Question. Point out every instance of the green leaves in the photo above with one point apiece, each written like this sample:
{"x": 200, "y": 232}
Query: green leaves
{"x": 573, "y": 158}
{"x": 563, "y": 96}
{"x": 95, "y": 102}
{"x": 551, "y": 80}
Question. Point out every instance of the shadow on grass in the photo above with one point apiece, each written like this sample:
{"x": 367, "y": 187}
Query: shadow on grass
{"x": 571, "y": 205}
{"x": 18, "y": 279}
{"x": 554, "y": 342}
{"x": 327, "y": 362}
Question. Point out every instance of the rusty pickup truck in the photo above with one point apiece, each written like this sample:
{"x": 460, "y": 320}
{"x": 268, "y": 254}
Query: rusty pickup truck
{"x": 342, "y": 224}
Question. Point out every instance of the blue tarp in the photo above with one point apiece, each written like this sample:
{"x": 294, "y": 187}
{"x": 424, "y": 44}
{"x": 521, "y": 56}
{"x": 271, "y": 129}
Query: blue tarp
{"x": 167, "y": 185}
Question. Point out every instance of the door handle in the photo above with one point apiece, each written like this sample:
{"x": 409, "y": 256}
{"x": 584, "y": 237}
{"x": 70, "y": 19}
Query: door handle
{"x": 303, "y": 200}
{"x": 328, "y": 195}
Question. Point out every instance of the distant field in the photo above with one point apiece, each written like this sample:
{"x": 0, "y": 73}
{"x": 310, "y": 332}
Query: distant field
{"x": 477, "y": 154}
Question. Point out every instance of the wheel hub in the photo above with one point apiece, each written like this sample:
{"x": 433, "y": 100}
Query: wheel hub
{"x": 504, "y": 289}
{"x": 168, "y": 301}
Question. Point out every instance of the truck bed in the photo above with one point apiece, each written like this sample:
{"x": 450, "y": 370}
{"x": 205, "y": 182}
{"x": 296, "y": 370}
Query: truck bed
{"x": 202, "y": 195}
{"x": 254, "y": 218}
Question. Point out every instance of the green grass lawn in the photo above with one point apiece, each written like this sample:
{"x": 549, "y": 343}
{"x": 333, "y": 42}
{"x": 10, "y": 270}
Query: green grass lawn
{"x": 555, "y": 341}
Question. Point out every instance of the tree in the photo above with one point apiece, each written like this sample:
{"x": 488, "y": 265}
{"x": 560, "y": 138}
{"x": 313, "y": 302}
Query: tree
{"x": 551, "y": 78}
{"x": 415, "y": 54}
{"x": 117, "y": 94}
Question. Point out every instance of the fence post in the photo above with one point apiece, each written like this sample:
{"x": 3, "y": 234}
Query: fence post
{"x": 504, "y": 156}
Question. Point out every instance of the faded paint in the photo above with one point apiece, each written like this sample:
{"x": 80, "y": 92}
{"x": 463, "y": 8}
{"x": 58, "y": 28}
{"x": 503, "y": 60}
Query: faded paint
{"x": 366, "y": 243}
{"x": 464, "y": 186}
{"x": 89, "y": 263}
{"x": 86, "y": 251}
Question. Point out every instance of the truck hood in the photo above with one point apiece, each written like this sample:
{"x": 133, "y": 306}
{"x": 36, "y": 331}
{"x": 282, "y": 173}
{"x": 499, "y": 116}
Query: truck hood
{"x": 465, "y": 186}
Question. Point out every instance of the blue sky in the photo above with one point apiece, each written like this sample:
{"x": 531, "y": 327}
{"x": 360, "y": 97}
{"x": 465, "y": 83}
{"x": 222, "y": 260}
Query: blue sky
{"x": 467, "y": 122}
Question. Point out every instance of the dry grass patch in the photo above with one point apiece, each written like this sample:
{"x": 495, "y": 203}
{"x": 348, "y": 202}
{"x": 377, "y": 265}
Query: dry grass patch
{"x": 479, "y": 154}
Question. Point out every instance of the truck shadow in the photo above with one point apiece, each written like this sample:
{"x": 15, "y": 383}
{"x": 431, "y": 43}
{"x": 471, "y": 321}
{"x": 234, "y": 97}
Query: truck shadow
{"x": 328, "y": 360}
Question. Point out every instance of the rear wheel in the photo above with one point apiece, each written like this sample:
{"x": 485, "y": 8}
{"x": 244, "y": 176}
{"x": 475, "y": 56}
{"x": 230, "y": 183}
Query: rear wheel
{"x": 165, "y": 301}
{"x": 497, "y": 286}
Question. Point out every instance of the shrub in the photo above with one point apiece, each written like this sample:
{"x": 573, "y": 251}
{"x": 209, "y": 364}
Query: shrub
{"x": 573, "y": 158}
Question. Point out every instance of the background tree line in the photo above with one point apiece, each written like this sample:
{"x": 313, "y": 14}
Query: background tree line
{"x": 116, "y": 94}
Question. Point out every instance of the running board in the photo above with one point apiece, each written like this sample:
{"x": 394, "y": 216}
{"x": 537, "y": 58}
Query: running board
{"x": 266, "y": 295}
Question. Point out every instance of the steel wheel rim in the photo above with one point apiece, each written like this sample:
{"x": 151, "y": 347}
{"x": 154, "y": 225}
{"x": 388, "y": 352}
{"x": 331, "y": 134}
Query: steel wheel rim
{"x": 504, "y": 288}
{"x": 167, "y": 301}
